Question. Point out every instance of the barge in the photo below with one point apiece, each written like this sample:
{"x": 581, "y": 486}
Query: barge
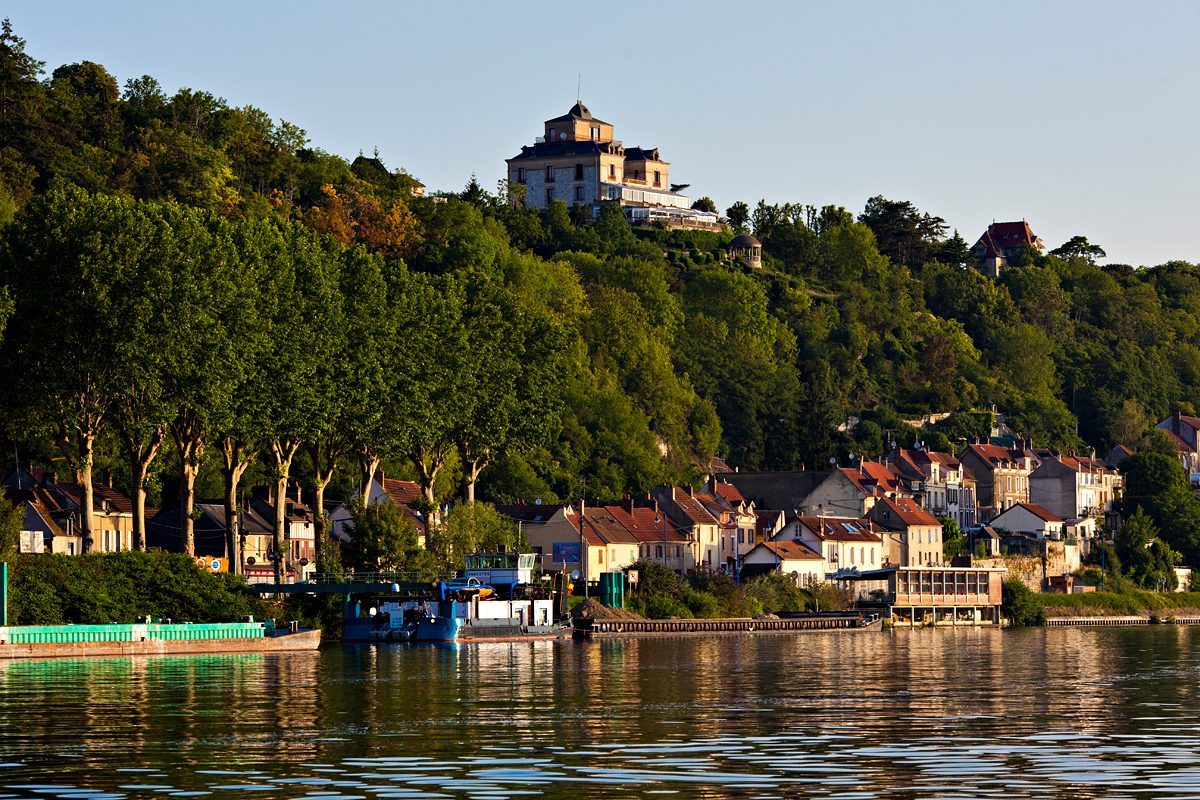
{"x": 152, "y": 639}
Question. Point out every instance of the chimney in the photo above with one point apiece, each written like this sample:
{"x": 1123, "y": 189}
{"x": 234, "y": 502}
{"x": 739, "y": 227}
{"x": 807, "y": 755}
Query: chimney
{"x": 631, "y": 506}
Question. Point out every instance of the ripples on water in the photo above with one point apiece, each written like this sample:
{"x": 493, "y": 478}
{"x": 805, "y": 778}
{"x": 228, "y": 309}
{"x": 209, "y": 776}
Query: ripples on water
{"x": 1102, "y": 713}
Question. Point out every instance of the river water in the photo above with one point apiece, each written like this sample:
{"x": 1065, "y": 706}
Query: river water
{"x": 1104, "y": 713}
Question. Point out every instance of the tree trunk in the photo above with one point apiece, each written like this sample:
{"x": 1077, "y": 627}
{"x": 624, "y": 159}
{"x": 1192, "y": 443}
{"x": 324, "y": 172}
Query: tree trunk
{"x": 427, "y": 470}
{"x": 472, "y": 467}
{"x": 282, "y": 452}
{"x": 234, "y": 453}
{"x": 87, "y": 456}
{"x": 77, "y": 444}
{"x": 324, "y": 462}
{"x": 368, "y": 467}
{"x": 141, "y": 455}
{"x": 189, "y": 439}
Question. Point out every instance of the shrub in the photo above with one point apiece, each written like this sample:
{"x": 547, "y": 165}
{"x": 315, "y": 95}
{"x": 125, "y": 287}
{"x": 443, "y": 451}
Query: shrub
{"x": 1020, "y": 605}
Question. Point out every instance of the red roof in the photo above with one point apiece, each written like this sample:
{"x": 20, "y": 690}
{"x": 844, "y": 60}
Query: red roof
{"x": 902, "y": 512}
{"x": 402, "y": 493}
{"x": 117, "y": 502}
{"x": 1001, "y": 237}
{"x": 645, "y": 524}
{"x": 997, "y": 456}
{"x": 840, "y": 529}
{"x": 792, "y": 551}
{"x": 1041, "y": 512}
{"x": 873, "y": 478}
{"x": 728, "y": 492}
{"x": 691, "y": 507}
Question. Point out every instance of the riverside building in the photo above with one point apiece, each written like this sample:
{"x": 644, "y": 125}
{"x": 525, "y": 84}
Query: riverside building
{"x": 578, "y": 162}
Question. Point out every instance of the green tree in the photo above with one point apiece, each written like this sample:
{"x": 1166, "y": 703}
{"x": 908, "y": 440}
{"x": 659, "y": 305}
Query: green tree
{"x": 738, "y": 215}
{"x": 381, "y": 539}
{"x": 705, "y": 204}
{"x": 1079, "y": 247}
{"x": 474, "y": 528}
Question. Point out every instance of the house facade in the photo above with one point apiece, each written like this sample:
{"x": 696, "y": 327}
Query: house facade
{"x": 690, "y": 516}
{"x": 844, "y": 543}
{"x": 1031, "y": 518}
{"x": 1001, "y": 242}
{"x": 912, "y": 536}
{"x": 578, "y": 162}
{"x": 1185, "y": 430}
{"x": 939, "y": 483}
{"x": 1001, "y": 476}
{"x": 1077, "y": 488}
{"x": 805, "y": 566}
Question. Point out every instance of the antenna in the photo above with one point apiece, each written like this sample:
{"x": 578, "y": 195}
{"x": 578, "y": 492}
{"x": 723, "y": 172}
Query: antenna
{"x": 578, "y": 83}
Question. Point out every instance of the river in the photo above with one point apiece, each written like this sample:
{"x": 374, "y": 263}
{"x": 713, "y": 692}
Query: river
{"x": 970, "y": 713}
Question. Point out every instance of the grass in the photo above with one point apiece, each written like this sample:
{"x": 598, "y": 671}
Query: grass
{"x": 1131, "y": 603}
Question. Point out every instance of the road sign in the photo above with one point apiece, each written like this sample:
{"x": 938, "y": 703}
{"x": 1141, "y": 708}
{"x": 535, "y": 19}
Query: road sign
{"x": 632, "y": 575}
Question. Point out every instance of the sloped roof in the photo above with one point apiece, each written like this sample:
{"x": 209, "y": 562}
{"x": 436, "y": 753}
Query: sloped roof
{"x": 577, "y": 111}
{"x": 873, "y": 478}
{"x": 692, "y": 508}
{"x": 645, "y": 524}
{"x": 118, "y": 503}
{"x": 996, "y": 456}
{"x": 791, "y": 551}
{"x": 901, "y": 513}
{"x": 727, "y": 492}
{"x": 1002, "y": 236}
{"x": 842, "y": 529}
{"x": 400, "y": 492}
{"x": 601, "y": 526}
{"x": 1041, "y": 512}
{"x": 530, "y": 512}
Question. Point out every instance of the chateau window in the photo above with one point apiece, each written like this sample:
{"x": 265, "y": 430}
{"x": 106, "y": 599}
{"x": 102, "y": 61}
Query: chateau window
{"x": 549, "y": 196}
{"x": 612, "y": 172}
{"x": 520, "y": 175}
{"x": 549, "y": 174}
{"x": 657, "y": 178}
{"x": 595, "y": 133}
{"x": 579, "y": 193}
{"x": 579, "y": 172}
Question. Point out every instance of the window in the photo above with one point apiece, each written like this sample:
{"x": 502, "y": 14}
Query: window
{"x": 677, "y": 551}
{"x": 596, "y": 133}
{"x": 549, "y": 174}
{"x": 612, "y": 172}
{"x": 579, "y": 172}
{"x": 657, "y": 178}
{"x": 549, "y": 196}
{"x": 658, "y": 551}
{"x": 600, "y": 556}
{"x": 579, "y": 193}
{"x": 520, "y": 175}
{"x": 549, "y": 134}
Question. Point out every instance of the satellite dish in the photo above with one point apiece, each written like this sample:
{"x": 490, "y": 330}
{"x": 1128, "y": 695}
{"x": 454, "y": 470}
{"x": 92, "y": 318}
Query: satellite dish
{"x": 537, "y": 502}
{"x": 574, "y": 574}
{"x": 304, "y": 562}
{"x": 562, "y": 136}
{"x": 250, "y": 561}
{"x": 833, "y": 459}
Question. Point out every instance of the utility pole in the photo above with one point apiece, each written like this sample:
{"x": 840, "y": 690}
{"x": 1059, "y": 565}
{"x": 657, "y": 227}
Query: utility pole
{"x": 4, "y": 595}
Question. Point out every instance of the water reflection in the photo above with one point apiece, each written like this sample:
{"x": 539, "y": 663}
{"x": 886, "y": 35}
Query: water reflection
{"x": 963, "y": 714}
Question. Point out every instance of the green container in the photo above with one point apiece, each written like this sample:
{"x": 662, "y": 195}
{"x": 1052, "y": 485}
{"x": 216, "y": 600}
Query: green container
{"x": 612, "y": 589}
{"x": 69, "y": 634}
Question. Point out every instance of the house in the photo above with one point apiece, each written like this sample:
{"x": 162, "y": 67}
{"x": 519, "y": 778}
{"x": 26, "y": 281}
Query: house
{"x": 659, "y": 539}
{"x": 405, "y": 495}
{"x": 736, "y": 515}
{"x": 767, "y": 523}
{"x": 1001, "y": 242}
{"x": 300, "y": 556}
{"x": 851, "y": 491}
{"x": 844, "y": 543}
{"x": 542, "y": 526}
{"x": 690, "y": 516}
{"x": 803, "y": 564}
{"x": 939, "y": 483}
{"x": 578, "y": 162}
{"x": 1032, "y": 519}
{"x": 210, "y": 532}
{"x": 1001, "y": 475}
{"x": 913, "y": 536}
{"x": 611, "y": 546}
{"x": 53, "y": 510}
{"x": 1077, "y": 488}
{"x": 786, "y": 491}
{"x": 1118, "y": 454}
{"x": 1185, "y": 431}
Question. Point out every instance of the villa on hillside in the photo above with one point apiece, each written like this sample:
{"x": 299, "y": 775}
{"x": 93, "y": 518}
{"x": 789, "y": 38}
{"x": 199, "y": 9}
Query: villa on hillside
{"x": 1003, "y": 241}
{"x": 578, "y": 162}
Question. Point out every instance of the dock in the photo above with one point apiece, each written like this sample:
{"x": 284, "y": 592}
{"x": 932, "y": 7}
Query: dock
{"x": 616, "y": 628}
{"x": 151, "y": 639}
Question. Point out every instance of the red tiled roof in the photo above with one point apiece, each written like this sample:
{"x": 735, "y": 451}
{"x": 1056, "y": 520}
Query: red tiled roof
{"x": 1040, "y": 512}
{"x": 401, "y": 493}
{"x": 1002, "y": 236}
{"x": 840, "y": 529}
{"x": 873, "y": 478}
{"x": 792, "y": 551}
{"x": 692, "y": 508}
{"x": 728, "y": 492}
{"x": 117, "y": 502}
{"x": 905, "y": 511}
{"x": 646, "y": 524}
{"x": 995, "y": 455}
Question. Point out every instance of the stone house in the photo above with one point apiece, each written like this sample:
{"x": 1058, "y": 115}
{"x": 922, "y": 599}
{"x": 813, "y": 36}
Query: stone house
{"x": 912, "y": 536}
{"x": 1001, "y": 242}
{"x": 852, "y": 491}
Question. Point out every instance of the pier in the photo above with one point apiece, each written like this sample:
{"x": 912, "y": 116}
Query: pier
{"x": 613, "y": 628}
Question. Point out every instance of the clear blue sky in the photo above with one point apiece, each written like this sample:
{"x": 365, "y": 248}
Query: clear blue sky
{"x": 1083, "y": 117}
